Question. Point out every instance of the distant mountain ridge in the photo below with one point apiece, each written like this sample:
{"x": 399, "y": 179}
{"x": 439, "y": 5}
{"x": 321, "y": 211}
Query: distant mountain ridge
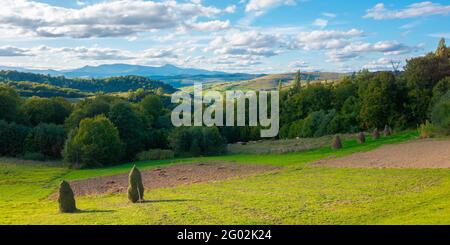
{"x": 114, "y": 70}
{"x": 170, "y": 74}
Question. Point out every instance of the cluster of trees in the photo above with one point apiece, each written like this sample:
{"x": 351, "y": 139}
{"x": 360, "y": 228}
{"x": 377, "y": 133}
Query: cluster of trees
{"x": 60, "y": 84}
{"x": 95, "y": 131}
{"x": 368, "y": 100}
{"x": 32, "y": 126}
{"x": 197, "y": 141}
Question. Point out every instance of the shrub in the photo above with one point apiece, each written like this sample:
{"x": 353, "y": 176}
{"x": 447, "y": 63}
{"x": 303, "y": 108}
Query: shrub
{"x": 135, "y": 186}
{"x": 376, "y": 134}
{"x": 95, "y": 143}
{"x": 342, "y": 124}
{"x": 66, "y": 198}
{"x": 440, "y": 114}
{"x": 361, "y": 138}
{"x": 12, "y": 138}
{"x": 197, "y": 141}
{"x": 426, "y": 130}
{"x": 337, "y": 143}
{"x": 155, "y": 154}
{"x": 47, "y": 139}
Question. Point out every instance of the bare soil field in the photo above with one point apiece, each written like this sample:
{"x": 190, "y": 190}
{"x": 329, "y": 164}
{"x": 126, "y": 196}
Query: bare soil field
{"x": 415, "y": 154}
{"x": 170, "y": 176}
{"x": 284, "y": 145}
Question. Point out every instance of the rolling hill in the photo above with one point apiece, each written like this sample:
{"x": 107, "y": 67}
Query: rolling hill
{"x": 271, "y": 81}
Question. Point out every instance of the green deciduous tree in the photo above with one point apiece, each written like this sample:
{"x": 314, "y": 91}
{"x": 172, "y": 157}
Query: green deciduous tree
{"x": 378, "y": 100}
{"x": 131, "y": 126}
{"x": 12, "y": 138}
{"x": 9, "y": 104}
{"x": 95, "y": 142}
{"x": 47, "y": 139}
{"x": 442, "y": 50}
{"x": 440, "y": 114}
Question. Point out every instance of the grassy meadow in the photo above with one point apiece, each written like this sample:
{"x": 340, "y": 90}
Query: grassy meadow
{"x": 297, "y": 194}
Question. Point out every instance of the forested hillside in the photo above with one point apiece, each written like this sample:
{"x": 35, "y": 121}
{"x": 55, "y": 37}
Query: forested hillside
{"x": 66, "y": 87}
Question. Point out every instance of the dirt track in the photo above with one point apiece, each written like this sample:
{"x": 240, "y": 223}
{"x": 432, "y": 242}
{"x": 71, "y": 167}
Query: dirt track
{"x": 416, "y": 154}
{"x": 168, "y": 177}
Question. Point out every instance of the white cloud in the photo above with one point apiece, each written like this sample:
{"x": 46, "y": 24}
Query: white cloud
{"x": 261, "y": 6}
{"x": 382, "y": 64}
{"x": 230, "y": 9}
{"x": 10, "y": 51}
{"x": 325, "y": 39}
{"x": 301, "y": 65}
{"x": 440, "y": 35}
{"x": 340, "y": 46}
{"x": 379, "y": 11}
{"x": 252, "y": 43}
{"x": 329, "y": 15}
{"x": 320, "y": 23}
{"x": 214, "y": 25}
{"x": 80, "y": 3}
{"x": 106, "y": 19}
{"x": 358, "y": 49}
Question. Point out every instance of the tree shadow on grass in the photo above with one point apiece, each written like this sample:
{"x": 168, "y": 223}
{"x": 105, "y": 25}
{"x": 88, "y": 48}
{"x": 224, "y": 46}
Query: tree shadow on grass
{"x": 168, "y": 201}
{"x": 94, "y": 211}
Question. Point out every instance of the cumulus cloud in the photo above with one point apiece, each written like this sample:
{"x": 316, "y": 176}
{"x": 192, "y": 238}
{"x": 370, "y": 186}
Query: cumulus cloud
{"x": 83, "y": 53}
{"x": 157, "y": 53}
{"x": 252, "y": 43}
{"x": 382, "y": 64}
{"x": 106, "y": 19}
{"x": 325, "y": 39}
{"x": 344, "y": 45}
{"x": 214, "y": 25}
{"x": 261, "y": 6}
{"x": 10, "y": 51}
{"x": 358, "y": 49}
{"x": 379, "y": 11}
{"x": 301, "y": 65}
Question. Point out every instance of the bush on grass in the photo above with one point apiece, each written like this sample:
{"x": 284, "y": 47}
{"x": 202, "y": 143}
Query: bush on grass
{"x": 155, "y": 154}
{"x": 426, "y": 130}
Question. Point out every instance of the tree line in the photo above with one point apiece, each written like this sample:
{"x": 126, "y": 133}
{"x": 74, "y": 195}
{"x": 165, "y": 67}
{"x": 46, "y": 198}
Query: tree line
{"x": 366, "y": 100}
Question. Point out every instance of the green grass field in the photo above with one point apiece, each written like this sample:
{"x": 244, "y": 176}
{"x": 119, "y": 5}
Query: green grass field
{"x": 297, "y": 194}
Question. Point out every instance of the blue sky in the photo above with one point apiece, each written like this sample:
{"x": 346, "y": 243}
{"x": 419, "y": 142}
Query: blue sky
{"x": 259, "y": 36}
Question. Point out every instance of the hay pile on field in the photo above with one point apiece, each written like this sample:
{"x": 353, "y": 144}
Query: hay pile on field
{"x": 135, "y": 187}
{"x": 66, "y": 198}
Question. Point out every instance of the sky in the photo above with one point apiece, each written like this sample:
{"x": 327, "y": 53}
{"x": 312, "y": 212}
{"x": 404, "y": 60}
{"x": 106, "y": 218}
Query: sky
{"x": 252, "y": 36}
